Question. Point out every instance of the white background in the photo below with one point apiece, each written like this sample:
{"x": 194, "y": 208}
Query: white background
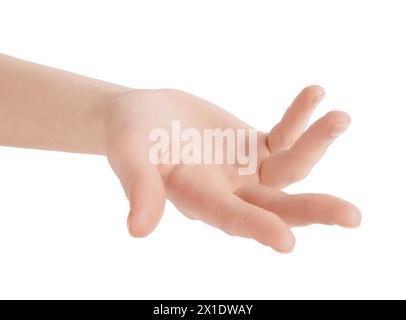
{"x": 63, "y": 216}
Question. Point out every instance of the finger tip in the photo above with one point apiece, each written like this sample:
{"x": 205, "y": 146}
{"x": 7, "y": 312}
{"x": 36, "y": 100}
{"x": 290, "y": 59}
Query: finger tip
{"x": 352, "y": 218}
{"x": 339, "y": 121}
{"x": 314, "y": 94}
{"x": 315, "y": 89}
{"x": 136, "y": 227}
{"x": 286, "y": 244}
{"x": 339, "y": 116}
{"x": 284, "y": 250}
{"x": 356, "y": 218}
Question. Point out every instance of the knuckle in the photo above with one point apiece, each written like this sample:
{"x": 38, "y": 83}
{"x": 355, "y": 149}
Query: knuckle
{"x": 228, "y": 222}
{"x": 281, "y": 139}
{"x": 219, "y": 214}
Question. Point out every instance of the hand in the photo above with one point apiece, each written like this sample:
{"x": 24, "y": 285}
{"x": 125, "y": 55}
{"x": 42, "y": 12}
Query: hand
{"x": 251, "y": 206}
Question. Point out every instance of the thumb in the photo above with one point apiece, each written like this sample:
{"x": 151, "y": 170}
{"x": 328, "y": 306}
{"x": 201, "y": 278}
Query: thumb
{"x": 141, "y": 181}
{"x": 147, "y": 200}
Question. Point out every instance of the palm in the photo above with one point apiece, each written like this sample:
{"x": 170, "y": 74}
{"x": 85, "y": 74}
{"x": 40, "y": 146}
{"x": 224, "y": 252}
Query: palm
{"x": 249, "y": 206}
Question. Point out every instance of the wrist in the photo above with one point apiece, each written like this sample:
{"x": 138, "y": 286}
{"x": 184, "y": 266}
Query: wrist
{"x": 101, "y": 116}
{"x": 129, "y": 117}
{"x": 127, "y": 111}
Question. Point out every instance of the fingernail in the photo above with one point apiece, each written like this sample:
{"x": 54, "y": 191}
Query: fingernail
{"x": 320, "y": 95}
{"x": 338, "y": 129}
{"x": 317, "y": 99}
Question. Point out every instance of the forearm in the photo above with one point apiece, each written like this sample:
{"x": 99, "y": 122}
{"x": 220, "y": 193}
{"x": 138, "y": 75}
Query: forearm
{"x": 46, "y": 108}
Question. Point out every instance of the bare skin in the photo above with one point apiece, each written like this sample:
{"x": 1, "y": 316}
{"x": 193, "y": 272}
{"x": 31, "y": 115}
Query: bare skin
{"x": 45, "y": 108}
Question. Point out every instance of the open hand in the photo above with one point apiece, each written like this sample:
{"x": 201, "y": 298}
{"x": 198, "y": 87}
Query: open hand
{"x": 252, "y": 206}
